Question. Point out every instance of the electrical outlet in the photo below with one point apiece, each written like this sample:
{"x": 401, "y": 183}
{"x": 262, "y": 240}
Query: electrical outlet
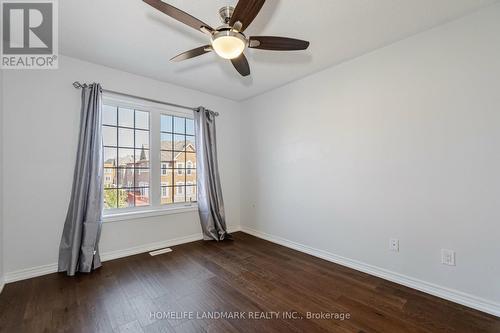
{"x": 394, "y": 244}
{"x": 448, "y": 257}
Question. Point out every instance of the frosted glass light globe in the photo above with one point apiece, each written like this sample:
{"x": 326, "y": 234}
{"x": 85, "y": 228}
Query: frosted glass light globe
{"x": 228, "y": 44}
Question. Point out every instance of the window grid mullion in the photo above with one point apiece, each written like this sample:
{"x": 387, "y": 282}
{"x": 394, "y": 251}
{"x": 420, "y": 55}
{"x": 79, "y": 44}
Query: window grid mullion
{"x": 117, "y": 157}
{"x": 185, "y": 160}
{"x": 135, "y": 171}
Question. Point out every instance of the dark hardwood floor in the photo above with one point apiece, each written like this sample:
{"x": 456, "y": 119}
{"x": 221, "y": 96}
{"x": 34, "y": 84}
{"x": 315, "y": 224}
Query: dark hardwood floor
{"x": 249, "y": 275}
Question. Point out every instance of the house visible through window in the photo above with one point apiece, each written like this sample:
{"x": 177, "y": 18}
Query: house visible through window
{"x": 126, "y": 134}
{"x": 128, "y": 145}
{"x": 178, "y": 151}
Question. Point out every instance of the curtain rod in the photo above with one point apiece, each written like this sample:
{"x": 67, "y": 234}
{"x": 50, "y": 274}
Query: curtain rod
{"x": 78, "y": 85}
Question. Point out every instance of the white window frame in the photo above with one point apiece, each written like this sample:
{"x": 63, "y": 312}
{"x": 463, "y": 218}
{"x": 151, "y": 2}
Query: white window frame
{"x": 164, "y": 186}
{"x": 155, "y": 208}
{"x": 180, "y": 168}
{"x": 179, "y": 185}
{"x": 189, "y": 185}
{"x": 189, "y": 168}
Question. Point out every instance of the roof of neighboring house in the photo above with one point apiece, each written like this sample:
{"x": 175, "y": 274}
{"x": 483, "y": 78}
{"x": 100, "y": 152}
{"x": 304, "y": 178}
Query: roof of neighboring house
{"x": 129, "y": 159}
{"x": 178, "y": 146}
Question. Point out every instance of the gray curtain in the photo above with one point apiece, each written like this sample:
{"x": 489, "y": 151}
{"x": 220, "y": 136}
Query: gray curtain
{"x": 210, "y": 202}
{"x": 79, "y": 251}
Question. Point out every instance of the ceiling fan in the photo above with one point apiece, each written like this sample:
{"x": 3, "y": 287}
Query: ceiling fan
{"x": 228, "y": 40}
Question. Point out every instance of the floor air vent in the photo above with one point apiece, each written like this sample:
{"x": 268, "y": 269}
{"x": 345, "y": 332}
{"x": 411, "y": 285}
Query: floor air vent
{"x": 161, "y": 251}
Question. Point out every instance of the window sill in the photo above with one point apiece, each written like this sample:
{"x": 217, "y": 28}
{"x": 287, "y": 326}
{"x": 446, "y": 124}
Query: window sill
{"x": 151, "y": 212}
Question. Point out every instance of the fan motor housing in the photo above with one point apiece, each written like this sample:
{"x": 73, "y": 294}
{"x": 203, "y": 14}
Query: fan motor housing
{"x": 226, "y": 13}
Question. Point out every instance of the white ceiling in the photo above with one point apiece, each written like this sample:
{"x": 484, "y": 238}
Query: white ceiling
{"x": 132, "y": 36}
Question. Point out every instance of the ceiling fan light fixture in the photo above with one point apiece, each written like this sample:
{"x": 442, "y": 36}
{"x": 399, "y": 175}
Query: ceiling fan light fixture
{"x": 229, "y": 44}
{"x": 228, "y": 40}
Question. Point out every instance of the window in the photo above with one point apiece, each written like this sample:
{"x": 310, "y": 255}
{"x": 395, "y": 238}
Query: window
{"x": 180, "y": 168}
{"x": 164, "y": 190}
{"x": 179, "y": 189}
{"x": 137, "y": 136}
{"x": 126, "y": 157}
{"x": 178, "y": 154}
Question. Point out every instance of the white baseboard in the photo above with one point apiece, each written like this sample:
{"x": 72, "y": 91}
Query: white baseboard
{"x": 233, "y": 228}
{"x": 32, "y": 272}
{"x": 111, "y": 255}
{"x": 452, "y": 295}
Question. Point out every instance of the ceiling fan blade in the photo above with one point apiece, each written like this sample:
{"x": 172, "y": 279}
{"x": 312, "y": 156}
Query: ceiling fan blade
{"x": 179, "y": 15}
{"x": 192, "y": 53}
{"x": 241, "y": 65}
{"x": 245, "y": 12}
{"x": 277, "y": 43}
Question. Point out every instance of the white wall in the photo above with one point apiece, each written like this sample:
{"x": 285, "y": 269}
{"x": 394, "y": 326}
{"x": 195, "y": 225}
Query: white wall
{"x": 403, "y": 142}
{"x": 42, "y": 112}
